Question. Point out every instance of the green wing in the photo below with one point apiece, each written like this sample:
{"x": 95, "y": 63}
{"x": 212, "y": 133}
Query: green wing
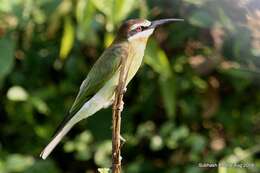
{"x": 104, "y": 68}
{"x": 101, "y": 72}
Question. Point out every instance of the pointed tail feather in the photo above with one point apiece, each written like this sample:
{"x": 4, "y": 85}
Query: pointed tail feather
{"x": 57, "y": 138}
{"x": 87, "y": 110}
{"x": 68, "y": 122}
{"x": 100, "y": 100}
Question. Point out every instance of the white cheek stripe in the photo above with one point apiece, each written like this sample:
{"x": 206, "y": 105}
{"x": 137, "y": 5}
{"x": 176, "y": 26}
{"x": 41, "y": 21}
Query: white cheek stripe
{"x": 145, "y": 24}
{"x": 142, "y": 34}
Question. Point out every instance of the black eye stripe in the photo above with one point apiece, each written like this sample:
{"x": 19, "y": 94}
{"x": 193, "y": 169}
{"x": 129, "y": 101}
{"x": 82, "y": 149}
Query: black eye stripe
{"x": 144, "y": 27}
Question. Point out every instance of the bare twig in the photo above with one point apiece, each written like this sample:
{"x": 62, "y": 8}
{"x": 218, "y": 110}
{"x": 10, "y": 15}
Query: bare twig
{"x": 116, "y": 119}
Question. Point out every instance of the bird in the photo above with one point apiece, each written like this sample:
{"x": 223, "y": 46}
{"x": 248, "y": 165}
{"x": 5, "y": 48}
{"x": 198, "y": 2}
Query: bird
{"x": 97, "y": 91}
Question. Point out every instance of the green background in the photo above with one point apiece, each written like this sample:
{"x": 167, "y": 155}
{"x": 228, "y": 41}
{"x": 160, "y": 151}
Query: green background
{"x": 195, "y": 100}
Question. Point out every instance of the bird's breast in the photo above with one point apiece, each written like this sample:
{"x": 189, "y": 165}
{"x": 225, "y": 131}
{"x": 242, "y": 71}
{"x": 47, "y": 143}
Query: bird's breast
{"x": 135, "y": 57}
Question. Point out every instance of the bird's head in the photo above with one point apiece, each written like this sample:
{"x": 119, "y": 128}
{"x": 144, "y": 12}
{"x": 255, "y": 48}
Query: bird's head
{"x": 135, "y": 29}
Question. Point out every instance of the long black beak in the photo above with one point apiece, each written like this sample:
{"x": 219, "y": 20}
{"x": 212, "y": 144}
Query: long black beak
{"x": 160, "y": 22}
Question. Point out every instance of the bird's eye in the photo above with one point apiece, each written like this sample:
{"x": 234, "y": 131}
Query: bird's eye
{"x": 138, "y": 29}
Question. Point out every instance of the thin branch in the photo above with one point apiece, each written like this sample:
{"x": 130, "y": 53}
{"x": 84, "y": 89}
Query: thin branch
{"x": 116, "y": 119}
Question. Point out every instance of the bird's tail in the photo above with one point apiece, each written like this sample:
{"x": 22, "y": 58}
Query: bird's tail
{"x": 62, "y": 131}
{"x": 102, "y": 99}
{"x": 87, "y": 110}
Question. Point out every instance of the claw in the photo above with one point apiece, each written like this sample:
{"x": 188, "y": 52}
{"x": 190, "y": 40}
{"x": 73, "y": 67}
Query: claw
{"x": 121, "y": 107}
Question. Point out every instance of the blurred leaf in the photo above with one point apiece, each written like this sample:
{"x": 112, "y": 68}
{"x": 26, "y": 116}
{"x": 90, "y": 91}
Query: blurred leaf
{"x": 240, "y": 78}
{"x": 39, "y": 16}
{"x": 67, "y": 38}
{"x": 157, "y": 59}
{"x": 64, "y": 8}
{"x": 197, "y": 2}
{"x": 256, "y": 52}
{"x": 193, "y": 169}
{"x": 122, "y": 9}
{"x": 80, "y": 145}
{"x": 17, "y": 93}
{"x": 109, "y": 37}
{"x": 225, "y": 20}
{"x": 7, "y": 49}
{"x": 136, "y": 166}
{"x": 6, "y": 6}
{"x": 115, "y": 10}
{"x": 85, "y": 12}
{"x": 146, "y": 129}
{"x": 59, "y": 11}
{"x": 103, "y": 170}
{"x": 42, "y": 166}
{"x": 197, "y": 142}
{"x": 156, "y": 143}
{"x": 41, "y": 131}
{"x": 167, "y": 128}
{"x": 176, "y": 135}
{"x": 105, "y": 6}
{"x": 18, "y": 163}
{"x": 2, "y": 167}
{"x": 199, "y": 82}
{"x": 144, "y": 10}
{"x": 168, "y": 91}
{"x": 81, "y": 11}
{"x": 69, "y": 146}
{"x": 201, "y": 19}
{"x": 102, "y": 156}
{"x": 40, "y": 105}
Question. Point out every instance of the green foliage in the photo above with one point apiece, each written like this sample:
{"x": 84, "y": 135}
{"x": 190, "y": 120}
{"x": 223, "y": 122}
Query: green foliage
{"x": 195, "y": 100}
{"x": 103, "y": 170}
{"x": 67, "y": 38}
{"x": 7, "y": 56}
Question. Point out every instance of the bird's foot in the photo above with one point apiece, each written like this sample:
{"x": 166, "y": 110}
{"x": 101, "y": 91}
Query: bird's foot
{"x": 123, "y": 91}
{"x": 121, "y": 106}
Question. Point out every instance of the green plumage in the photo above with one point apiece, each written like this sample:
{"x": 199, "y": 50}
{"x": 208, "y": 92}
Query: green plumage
{"x": 102, "y": 71}
{"x": 95, "y": 92}
{"x": 104, "y": 68}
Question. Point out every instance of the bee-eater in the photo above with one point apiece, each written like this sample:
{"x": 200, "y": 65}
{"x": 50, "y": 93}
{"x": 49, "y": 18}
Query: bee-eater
{"x": 97, "y": 91}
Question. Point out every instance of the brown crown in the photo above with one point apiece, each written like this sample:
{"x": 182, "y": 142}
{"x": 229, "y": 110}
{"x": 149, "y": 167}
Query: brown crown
{"x": 124, "y": 29}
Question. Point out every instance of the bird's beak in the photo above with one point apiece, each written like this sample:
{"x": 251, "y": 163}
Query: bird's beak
{"x": 160, "y": 22}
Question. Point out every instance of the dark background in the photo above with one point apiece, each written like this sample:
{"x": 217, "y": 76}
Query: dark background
{"x": 195, "y": 100}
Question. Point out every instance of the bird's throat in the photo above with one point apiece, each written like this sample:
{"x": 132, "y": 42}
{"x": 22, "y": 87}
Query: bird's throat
{"x": 135, "y": 57}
